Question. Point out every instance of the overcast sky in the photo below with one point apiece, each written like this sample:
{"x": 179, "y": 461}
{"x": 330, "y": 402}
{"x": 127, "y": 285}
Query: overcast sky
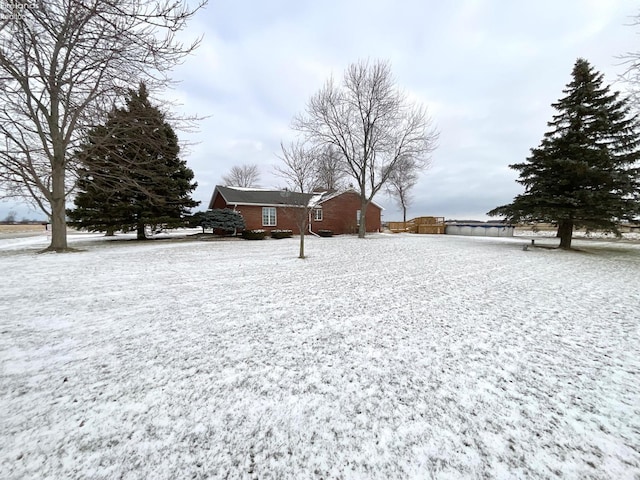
{"x": 486, "y": 70}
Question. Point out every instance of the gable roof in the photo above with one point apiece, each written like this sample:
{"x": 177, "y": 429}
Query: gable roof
{"x": 329, "y": 196}
{"x": 261, "y": 197}
{"x": 276, "y": 198}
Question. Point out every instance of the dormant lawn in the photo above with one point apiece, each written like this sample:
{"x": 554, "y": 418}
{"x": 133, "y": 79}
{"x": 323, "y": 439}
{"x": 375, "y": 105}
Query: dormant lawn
{"x": 391, "y": 357}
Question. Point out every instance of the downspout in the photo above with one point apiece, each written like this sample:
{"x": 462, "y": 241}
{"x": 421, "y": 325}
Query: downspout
{"x": 311, "y": 231}
{"x": 235, "y": 230}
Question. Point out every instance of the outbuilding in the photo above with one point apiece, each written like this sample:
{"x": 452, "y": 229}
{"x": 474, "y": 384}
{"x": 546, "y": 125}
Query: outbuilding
{"x": 480, "y": 229}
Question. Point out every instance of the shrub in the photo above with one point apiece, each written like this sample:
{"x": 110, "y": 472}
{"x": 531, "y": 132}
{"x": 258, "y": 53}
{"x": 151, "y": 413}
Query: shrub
{"x": 325, "y": 233}
{"x": 253, "y": 234}
{"x": 222, "y": 220}
{"x": 281, "y": 233}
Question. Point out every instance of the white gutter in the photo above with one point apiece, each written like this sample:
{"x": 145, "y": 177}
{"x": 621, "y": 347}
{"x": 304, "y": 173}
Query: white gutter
{"x": 310, "y": 217}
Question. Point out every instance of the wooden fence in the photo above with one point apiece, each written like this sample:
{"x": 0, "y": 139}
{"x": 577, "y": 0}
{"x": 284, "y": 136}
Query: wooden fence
{"x": 424, "y": 225}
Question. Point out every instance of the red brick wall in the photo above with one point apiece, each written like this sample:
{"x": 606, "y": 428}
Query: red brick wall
{"x": 285, "y": 218}
{"x": 339, "y": 215}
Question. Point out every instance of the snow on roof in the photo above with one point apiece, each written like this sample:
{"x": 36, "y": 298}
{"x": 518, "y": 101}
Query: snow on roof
{"x": 316, "y": 198}
{"x": 250, "y": 189}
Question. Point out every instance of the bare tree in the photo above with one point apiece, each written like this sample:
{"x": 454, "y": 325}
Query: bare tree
{"x": 401, "y": 181}
{"x": 299, "y": 172}
{"x": 330, "y": 171}
{"x": 242, "y": 176}
{"x": 371, "y": 123}
{"x": 10, "y": 218}
{"x": 62, "y": 65}
{"x": 631, "y": 62}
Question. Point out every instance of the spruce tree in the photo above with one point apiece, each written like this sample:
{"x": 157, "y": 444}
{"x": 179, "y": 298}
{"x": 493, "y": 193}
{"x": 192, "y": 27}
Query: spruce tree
{"x": 223, "y": 219}
{"x": 131, "y": 173}
{"x": 585, "y": 171}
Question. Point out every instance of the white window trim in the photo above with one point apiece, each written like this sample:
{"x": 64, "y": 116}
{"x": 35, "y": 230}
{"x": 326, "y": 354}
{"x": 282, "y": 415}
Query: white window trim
{"x": 317, "y": 215}
{"x": 275, "y": 217}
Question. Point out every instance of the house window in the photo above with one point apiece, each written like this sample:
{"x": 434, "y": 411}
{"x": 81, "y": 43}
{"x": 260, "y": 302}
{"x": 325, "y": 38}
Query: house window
{"x": 317, "y": 215}
{"x": 358, "y": 213}
{"x": 268, "y": 217}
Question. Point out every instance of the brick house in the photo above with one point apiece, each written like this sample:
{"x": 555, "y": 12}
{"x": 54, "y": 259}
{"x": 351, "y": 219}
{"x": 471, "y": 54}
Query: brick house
{"x": 340, "y": 213}
{"x": 277, "y": 209}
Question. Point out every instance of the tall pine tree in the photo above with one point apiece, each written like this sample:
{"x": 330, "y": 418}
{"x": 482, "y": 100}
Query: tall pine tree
{"x": 131, "y": 173}
{"x": 585, "y": 171}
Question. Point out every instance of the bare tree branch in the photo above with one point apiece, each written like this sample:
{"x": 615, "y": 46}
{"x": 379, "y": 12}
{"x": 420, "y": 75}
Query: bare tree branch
{"x": 299, "y": 172}
{"x": 300, "y": 166}
{"x": 631, "y": 74}
{"x": 402, "y": 180}
{"x": 242, "y": 176}
{"x": 330, "y": 169}
{"x": 63, "y": 64}
{"x": 369, "y": 121}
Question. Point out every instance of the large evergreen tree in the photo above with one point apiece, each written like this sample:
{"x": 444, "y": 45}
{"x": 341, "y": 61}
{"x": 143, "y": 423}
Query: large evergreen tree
{"x": 131, "y": 173}
{"x": 585, "y": 171}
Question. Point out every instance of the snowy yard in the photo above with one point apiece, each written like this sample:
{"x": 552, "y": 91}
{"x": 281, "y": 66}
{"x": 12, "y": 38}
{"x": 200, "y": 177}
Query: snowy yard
{"x": 391, "y": 357}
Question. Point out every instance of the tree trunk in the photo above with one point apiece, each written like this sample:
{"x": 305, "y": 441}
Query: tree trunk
{"x": 140, "y": 231}
{"x": 301, "y": 243}
{"x": 111, "y": 231}
{"x": 58, "y": 226}
{"x": 303, "y": 223}
{"x": 565, "y": 231}
{"x": 404, "y": 215}
{"x": 58, "y": 213}
{"x": 362, "y": 228}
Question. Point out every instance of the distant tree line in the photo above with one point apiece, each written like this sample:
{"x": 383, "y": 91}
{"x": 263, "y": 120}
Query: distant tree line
{"x": 11, "y": 217}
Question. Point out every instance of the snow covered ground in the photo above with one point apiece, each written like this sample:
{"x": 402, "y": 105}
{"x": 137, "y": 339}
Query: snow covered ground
{"x": 581, "y": 234}
{"x": 397, "y": 356}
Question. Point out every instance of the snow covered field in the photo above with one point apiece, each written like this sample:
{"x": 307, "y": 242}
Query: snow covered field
{"x": 397, "y": 356}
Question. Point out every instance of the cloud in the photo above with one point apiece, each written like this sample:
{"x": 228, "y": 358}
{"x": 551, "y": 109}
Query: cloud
{"x": 488, "y": 72}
